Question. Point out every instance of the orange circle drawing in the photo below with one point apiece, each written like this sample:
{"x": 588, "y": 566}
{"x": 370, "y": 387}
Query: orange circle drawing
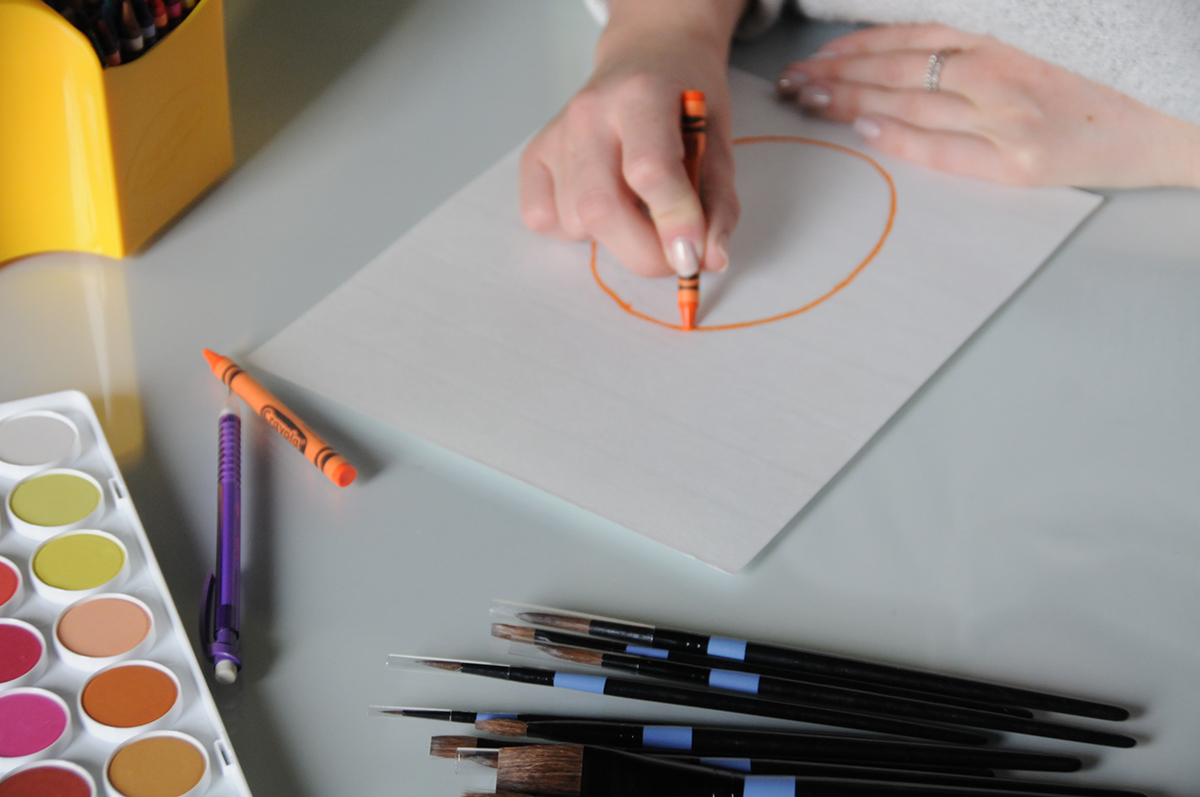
{"x": 887, "y": 229}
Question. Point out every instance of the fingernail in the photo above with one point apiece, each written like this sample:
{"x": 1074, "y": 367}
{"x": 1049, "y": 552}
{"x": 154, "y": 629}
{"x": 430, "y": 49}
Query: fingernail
{"x": 823, "y": 53}
{"x": 723, "y": 249}
{"x": 789, "y": 84}
{"x": 815, "y": 97}
{"x": 683, "y": 258}
{"x": 867, "y": 128}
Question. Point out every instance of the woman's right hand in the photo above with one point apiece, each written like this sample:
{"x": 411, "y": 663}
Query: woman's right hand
{"x": 609, "y": 166}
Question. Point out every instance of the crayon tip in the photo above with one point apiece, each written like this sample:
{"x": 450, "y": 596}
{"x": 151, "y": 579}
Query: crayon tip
{"x": 687, "y": 313}
{"x": 343, "y": 474}
{"x": 212, "y": 358}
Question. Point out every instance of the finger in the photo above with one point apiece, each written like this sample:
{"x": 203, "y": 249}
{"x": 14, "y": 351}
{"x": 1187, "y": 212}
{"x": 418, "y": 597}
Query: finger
{"x": 881, "y": 38}
{"x": 843, "y": 101}
{"x": 607, "y": 209}
{"x": 897, "y": 69}
{"x": 652, "y": 165}
{"x": 721, "y": 205}
{"x": 946, "y": 151}
{"x": 538, "y": 209}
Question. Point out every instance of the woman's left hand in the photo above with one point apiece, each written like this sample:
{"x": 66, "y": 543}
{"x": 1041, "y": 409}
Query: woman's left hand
{"x": 998, "y": 113}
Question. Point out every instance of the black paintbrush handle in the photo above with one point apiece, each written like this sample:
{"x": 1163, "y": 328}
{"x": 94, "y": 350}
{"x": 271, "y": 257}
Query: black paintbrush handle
{"x": 811, "y": 769}
{"x": 757, "y": 653}
{"x": 740, "y": 742}
{"x": 613, "y": 773}
{"x": 607, "y": 646}
{"x": 638, "y": 690}
{"x": 778, "y": 689}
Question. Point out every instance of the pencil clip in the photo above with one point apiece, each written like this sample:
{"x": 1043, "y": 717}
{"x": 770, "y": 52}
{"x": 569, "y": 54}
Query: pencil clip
{"x": 208, "y": 608}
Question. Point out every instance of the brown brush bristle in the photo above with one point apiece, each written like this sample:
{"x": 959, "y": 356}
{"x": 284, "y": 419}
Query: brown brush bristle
{"x": 452, "y": 666}
{"x": 577, "y": 655}
{"x": 493, "y": 794}
{"x": 514, "y": 632}
{"x": 487, "y": 758}
{"x": 551, "y": 769}
{"x": 576, "y": 624}
{"x": 447, "y": 746}
{"x": 502, "y": 727}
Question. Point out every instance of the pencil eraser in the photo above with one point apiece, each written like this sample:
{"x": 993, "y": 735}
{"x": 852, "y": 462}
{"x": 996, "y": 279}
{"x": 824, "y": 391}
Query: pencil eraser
{"x": 343, "y": 474}
{"x": 226, "y": 671}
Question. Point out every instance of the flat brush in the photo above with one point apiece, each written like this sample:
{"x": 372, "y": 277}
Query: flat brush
{"x": 524, "y": 634}
{"x": 463, "y": 748}
{"x": 491, "y": 758}
{"x": 708, "y": 741}
{"x": 758, "y": 766}
{"x": 569, "y": 771}
{"x": 778, "y": 689}
{"x": 639, "y": 690}
{"x": 775, "y": 656}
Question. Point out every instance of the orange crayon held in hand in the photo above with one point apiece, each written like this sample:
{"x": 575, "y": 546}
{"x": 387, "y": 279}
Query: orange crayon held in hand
{"x": 281, "y": 419}
{"x": 694, "y": 123}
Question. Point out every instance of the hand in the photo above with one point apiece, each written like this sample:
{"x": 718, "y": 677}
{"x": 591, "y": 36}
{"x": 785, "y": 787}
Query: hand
{"x": 610, "y": 165}
{"x": 998, "y": 114}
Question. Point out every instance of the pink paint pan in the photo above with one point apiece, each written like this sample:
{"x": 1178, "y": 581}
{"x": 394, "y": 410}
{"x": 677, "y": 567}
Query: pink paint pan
{"x": 104, "y": 629}
{"x": 23, "y": 654}
{"x": 34, "y": 723}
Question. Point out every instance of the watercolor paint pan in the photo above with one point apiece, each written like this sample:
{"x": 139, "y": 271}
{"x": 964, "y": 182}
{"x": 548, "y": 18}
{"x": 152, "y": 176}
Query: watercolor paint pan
{"x": 12, "y": 586}
{"x": 36, "y": 440}
{"x": 100, "y": 691}
{"x": 49, "y": 777}
{"x": 53, "y": 501}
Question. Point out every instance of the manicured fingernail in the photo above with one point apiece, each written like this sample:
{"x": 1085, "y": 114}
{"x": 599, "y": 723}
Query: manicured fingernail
{"x": 723, "y": 249}
{"x": 823, "y": 53}
{"x": 683, "y": 258}
{"x": 815, "y": 97}
{"x": 867, "y": 128}
{"x": 789, "y": 84}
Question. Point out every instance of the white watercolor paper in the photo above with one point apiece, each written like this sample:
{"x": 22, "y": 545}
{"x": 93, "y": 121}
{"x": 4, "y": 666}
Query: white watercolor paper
{"x": 484, "y": 338}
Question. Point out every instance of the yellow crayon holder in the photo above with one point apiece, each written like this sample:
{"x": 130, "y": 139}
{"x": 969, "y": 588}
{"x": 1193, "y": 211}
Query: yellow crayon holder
{"x": 95, "y": 159}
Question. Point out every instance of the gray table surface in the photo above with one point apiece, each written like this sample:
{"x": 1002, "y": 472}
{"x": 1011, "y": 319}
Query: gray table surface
{"x": 1031, "y": 516}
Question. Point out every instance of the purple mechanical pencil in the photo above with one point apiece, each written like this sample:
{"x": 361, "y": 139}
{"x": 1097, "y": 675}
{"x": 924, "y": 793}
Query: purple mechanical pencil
{"x": 219, "y": 612}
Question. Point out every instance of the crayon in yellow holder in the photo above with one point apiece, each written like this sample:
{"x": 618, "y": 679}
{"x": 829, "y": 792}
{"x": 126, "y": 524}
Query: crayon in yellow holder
{"x": 97, "y": 160}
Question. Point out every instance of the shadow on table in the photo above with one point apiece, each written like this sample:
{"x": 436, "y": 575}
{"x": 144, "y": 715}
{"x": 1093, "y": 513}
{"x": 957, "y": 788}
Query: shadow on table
{"x": 247, "y": 715}
{"x": 282, "y": 55}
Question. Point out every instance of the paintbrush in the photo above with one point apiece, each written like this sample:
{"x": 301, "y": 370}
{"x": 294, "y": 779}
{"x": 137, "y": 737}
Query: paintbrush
{"x": 639, "y": 690}
{"x": 571, "y": 771}
{"x": 761, "y": 766}
{"x": 518, "y": 633}
{"x": 840, "y": 772}
{"x": 792, "y": 692}
{"x": 754, "y": 743}
{"x": 778, "y": 657}
{"x": 454, "y": 715}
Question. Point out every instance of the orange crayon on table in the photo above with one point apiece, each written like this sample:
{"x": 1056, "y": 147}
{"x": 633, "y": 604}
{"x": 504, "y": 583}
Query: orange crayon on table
{"x": 281, "y": 419}
{"x": 694, "y": 124}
